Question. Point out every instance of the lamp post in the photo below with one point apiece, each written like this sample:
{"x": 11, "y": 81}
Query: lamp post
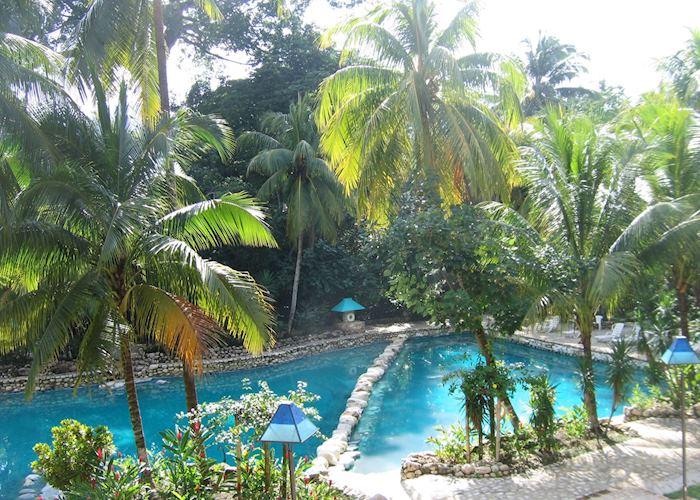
{"x": 288, "y": 426}
{"x": 680, "y": 354}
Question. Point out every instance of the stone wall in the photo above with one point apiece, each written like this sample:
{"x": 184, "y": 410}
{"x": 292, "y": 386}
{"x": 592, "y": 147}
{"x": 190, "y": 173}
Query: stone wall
{"x": 660, "y": 410}
{"x": 148, "y": 365}
{"x": 566, "y": 349}
{"x": 422, "y": 463}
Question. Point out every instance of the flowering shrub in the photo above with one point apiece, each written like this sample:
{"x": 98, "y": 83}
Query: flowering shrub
{"x": 113, "y": 477}
{"x": 83, "y": 464}
{"x": 249, "y": 415}
{"x": 77, "y": 450}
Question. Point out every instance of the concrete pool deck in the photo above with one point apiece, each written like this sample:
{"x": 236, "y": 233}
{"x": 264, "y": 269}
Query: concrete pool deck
{"x": 642, "y": 467}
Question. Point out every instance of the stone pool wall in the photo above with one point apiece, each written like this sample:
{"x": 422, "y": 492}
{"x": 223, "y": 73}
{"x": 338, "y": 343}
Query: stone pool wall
{"x": 566, "y": 349}
{"x": 148, "y": 365}
{"x": 426, "y": 462}
{"x": 336, "y": 451}
{"x": 659, "y": 410}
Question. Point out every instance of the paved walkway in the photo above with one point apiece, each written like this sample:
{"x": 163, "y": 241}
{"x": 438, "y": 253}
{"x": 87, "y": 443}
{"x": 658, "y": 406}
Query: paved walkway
{"x": 641, "y": 468}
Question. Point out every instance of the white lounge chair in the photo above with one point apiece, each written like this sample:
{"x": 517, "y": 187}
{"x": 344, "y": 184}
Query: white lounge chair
{"x": 615, "y": 334}
{"x": 552, "y": 324}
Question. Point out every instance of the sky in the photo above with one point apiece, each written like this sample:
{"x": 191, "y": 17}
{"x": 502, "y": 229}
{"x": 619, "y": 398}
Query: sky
{"x": 624, "y": 39}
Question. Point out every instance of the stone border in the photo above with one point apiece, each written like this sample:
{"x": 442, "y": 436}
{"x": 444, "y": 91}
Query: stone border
{"x": 566, "y": 349}
{"x": 223, "y": 359}
{"x": 334, "y": 451}
{"x": 422, "y": 463}
{"x": 661, "y": 410}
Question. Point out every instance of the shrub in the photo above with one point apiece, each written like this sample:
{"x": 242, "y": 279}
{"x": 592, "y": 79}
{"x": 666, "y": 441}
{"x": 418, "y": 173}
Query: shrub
{"x": 619, "y": 372}
{"x": 77, "y": 450}
{"x": 575, "y": 422}
{"x": 542, "y": 397}
{"x": 450, "y": 444}
{"x": 113, "y": 478}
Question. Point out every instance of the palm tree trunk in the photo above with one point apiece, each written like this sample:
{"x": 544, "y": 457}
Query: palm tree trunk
{"x": 295, "y": 286}
{"x": 481, "y": 339}
{"x": 132, "y": 399}
{"x": 161, "y": 56}
{"x": 589, "y": 400}
{"x": 190, "y": 387}
{"x": 682, "y": 292}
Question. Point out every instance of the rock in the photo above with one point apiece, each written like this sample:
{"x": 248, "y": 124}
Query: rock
{"x": 411, "y": 466}
{"x": 378, "y": 496}
{"x": 31, "y": 479}
{"x": 48, "y": 492}
{"x": 348, "y": 419}
{"x": 484, "y": 469}
{"x": 504, "y": 468}
{"x": 467, "y": 469}
{"x": 362, "y": 403}
{"x": 696, "y": 409}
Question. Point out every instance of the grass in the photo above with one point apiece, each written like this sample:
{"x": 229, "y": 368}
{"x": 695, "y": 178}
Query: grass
{"x": 693, "y": 492}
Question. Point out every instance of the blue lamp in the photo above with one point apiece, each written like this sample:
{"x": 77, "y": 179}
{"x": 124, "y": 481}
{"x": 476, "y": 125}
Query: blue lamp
{"x": 289, "y": 425}
{"x": 679, "y": 354}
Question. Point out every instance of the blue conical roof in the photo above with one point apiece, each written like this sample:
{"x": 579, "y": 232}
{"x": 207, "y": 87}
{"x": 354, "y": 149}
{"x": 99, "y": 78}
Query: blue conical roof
{"x": 347, "y": 305}
{"x": 289, "y": 425}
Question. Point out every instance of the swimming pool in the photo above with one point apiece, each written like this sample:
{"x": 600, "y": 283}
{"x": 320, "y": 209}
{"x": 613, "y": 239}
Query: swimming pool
{"x": 331, "y": 375}
{"x": 411, "y": 400}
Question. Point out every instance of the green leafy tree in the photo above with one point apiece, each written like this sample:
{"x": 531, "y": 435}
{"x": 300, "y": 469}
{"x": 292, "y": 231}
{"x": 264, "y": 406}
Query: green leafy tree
{"x": 106, "y": 260}
{"x": 463, "y": 270}
{"x": 298, "y": 177}
{"x": 665, "y": 234}
{"x": 404, "y": 108}
{"x": 580, "y": 199}
{"x": 550, "y": 64}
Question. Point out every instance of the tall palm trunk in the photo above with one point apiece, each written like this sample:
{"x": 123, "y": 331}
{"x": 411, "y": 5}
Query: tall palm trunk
{"x": 190, "y": 386}
{"x": 132, "y": 398}
{"x": 682, "y": 292}
{"x": 589, "y": 400}
{"x": 161, "y": 56}
{"x": 295, "y": 286}
{"x": 485, "y": 348}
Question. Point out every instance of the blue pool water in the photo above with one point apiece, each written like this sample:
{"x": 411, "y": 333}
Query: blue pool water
{"x": 411, "y": 400}
{"x": 330, "y": 375}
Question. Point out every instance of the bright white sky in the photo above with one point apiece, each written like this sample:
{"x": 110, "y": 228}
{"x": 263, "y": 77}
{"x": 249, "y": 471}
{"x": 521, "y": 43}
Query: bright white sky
{"x": 623, "y": 38}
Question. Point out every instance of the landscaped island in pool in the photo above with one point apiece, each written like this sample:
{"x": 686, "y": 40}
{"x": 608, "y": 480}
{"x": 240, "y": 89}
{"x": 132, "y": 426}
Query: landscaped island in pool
{"x": 331, "y": 375}
{"x": 411, "y": 400}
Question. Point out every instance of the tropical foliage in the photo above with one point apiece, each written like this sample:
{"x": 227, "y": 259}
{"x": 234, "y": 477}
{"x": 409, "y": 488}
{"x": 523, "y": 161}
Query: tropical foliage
{"x": 298, "y": 178}
{"x": 404, "y": 111}
{"x": 123, "y": 264}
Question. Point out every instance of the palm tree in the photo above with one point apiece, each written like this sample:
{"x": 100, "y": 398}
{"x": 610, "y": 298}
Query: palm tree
{"x": 580, "y": 198}
{"x": 665, "y": 234}
{"x": 27, "y": 69}
{"x": 110, "y": 261}
{"x": 684, "y": 69}
{"x": 404, "y": 107}
{"x": 620, "y": 372}
{"x": 129, "y": 34}
{"x": 550, "y": 64}
{"x": 297, "y": 175}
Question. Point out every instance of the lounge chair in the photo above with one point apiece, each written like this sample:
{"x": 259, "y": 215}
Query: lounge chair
{"x": 552, "y": 324}
{"x": 615, "y": 334}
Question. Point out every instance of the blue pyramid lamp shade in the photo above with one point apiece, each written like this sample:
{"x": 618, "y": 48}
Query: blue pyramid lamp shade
{"x": 288, "y": 425}
{"x": 347, "y": 305}
{"x": 680, "y": 353}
